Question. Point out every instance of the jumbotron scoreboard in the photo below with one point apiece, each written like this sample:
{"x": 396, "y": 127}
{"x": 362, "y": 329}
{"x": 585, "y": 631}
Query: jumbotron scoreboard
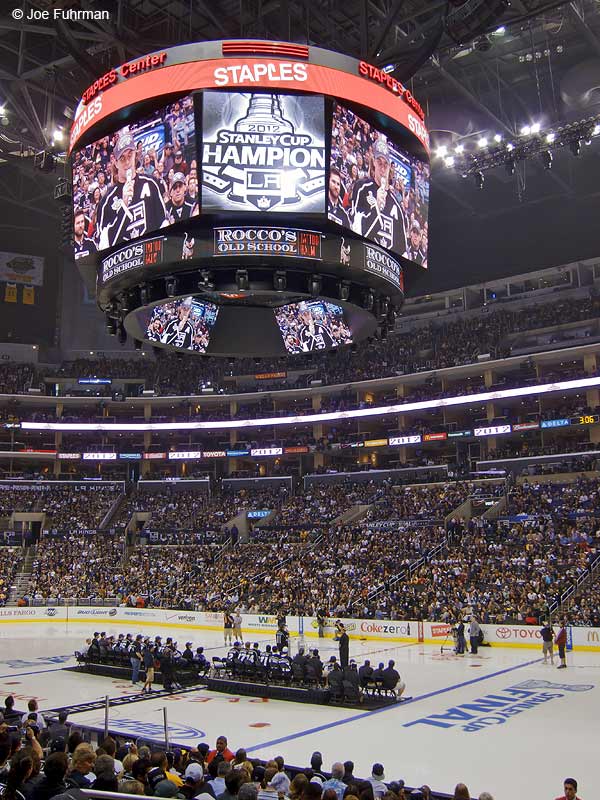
{"x": 240, "y": 198}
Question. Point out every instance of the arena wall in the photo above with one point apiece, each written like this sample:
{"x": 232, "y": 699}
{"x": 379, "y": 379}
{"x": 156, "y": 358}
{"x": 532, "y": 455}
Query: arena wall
{"x": 406, "y": 632}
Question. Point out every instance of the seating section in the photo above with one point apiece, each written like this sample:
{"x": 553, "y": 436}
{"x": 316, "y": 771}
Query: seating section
{"x": 400, "y": 561}
{"x": 10, "y": 559}
{"x": 428, "y": 345}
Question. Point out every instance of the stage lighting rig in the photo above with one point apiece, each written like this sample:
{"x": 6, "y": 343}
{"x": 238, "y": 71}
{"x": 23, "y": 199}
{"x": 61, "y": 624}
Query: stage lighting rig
{"x": 531, "y": 144}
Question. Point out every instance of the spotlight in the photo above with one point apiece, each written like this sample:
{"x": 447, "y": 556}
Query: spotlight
{"x": 315, "y": 284}
{"x": 479, "y": 180}
{"x": 536, "y": 127}
{"x": 111, "y": 325}
{"x": 459, "y": 149}
{"x": 442, "y": 151}
{"x": 57, "y": 135}
{"x": 510, "y": 147}
{"x": 483, "y": 142}
{"x": 449, "y": 162}
{"x": 369, "y": 300}
{"x": 546, "y": 157}
{"x": 596, "y": 130}
{"x": 510, "y": 166}
{"x": 241, "y": 279}
{"x": 171, "y": 286}
{"x": 498, "y": 138}
{"x": 550, "y": 137}
{"x": 279, "y": 281}
{"x": 575, "y": 147}
{"x": 525, "y": 130}
{"x": 344, "y": 290}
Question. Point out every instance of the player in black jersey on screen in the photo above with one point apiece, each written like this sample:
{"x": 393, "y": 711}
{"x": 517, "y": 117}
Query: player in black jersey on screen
{"x": 133, "y": 205}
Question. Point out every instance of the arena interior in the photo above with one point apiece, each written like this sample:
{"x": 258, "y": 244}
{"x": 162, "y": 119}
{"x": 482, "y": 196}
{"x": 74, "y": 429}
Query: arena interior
{"x": 299, "y": 399}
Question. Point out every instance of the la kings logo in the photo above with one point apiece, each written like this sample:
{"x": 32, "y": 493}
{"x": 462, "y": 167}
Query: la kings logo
{"x": 263, "y": 160}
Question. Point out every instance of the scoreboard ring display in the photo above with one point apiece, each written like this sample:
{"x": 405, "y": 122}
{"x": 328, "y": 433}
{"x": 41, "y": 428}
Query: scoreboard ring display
{"x": 249, "y": 198}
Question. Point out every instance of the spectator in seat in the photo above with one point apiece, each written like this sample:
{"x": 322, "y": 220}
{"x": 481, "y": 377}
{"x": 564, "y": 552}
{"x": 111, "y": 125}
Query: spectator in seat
{"x": 221, "y": 751}
{"x": 365, "y": 675}
{"x": 336, "y": 781}
{"x": 13, "y": 785}
{"x": 391, "y": 679}
{"x": 82, "y": 763}
{"x": 53, "y": 782}
{"x": 377, "y": 779}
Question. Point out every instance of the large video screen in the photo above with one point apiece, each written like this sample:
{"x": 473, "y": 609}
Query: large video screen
{"x": 312, "y": 325}
{"x": 141, "y": 178}
{"x": 263, "y": 152}
{"x": 186, "y": 324}
{"x": 376, "y": 189}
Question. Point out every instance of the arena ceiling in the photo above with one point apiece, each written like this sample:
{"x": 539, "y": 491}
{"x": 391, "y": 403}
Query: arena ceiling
{"x": 496, "y": 84}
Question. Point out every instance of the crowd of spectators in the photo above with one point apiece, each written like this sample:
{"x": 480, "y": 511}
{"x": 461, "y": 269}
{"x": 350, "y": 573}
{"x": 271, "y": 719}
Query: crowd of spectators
{"x": 318, "y": 505}
{"x": 304, "y": 561}
{"x": 548, "y": 539}
{"x": 72, "y": 506}
{"x": 77, "y": 566}
{"x": 435, "y": 345}
{"x": 10, "y": 558}
{"x": 47, "y": 757}
{"x": 81, "y": 506}
{"x": 193, "y": 510}
{"x": 420, "y": 502}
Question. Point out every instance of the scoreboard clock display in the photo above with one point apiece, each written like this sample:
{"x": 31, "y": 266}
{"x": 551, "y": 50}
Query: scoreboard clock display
{"x": 253, "y": 177}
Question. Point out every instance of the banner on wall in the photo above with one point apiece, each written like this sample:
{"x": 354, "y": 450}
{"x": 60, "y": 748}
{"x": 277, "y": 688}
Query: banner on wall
{"x": 19, "y": 268}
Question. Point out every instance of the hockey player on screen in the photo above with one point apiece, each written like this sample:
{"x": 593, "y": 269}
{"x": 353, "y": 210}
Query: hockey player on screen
{"x": 179, "y": 332}
{"x": 376, "y": 212}
{"x": 134, "y": 205}
{"x": 312, "y": 334}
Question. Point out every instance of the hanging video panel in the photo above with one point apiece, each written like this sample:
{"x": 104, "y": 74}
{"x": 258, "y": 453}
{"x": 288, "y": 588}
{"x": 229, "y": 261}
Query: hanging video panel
{"x": 263, "y": 152}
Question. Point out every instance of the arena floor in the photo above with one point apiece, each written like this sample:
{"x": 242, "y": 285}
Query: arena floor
{"x": 502, "y": 721}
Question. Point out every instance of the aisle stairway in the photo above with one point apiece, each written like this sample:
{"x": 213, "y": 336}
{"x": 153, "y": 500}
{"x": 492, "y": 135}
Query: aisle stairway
{"x": 23, "y": 578}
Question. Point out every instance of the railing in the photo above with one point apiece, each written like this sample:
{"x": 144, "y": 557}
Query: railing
{"x": 588, "y": 573}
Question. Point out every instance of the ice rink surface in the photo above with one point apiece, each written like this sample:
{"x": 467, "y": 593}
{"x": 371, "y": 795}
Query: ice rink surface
{"x": 501, "y": 721}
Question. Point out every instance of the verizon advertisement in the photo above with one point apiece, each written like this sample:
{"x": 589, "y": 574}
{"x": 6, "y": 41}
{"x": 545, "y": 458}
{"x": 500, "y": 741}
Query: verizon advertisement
{"x": 263, "y": 152}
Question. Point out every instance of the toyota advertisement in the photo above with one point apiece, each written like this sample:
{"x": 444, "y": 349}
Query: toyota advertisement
{"x": 263, "y": 152}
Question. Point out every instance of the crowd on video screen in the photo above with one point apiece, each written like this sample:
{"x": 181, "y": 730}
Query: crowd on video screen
{"x": 376, "y": 189}
{"x": 141, "y": 178}
{"x": 185, "y": 324}
{"x": 312, "y": 326}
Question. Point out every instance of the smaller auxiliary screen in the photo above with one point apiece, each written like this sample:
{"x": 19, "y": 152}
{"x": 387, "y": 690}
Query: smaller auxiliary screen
{"x": 312, "y": 325}
{"x": 186, "y": 324}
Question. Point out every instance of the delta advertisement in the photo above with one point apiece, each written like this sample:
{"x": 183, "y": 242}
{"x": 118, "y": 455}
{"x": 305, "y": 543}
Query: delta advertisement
{"x": 263, "y": 152}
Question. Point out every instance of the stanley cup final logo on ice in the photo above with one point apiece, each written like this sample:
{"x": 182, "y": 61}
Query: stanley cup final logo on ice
{"x": 263, "y": 152}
